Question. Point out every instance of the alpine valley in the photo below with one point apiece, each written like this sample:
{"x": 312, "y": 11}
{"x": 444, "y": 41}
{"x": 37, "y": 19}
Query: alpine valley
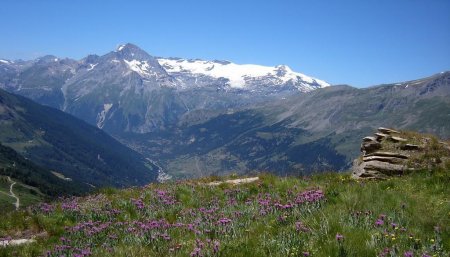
{"x": 192, "y": 118}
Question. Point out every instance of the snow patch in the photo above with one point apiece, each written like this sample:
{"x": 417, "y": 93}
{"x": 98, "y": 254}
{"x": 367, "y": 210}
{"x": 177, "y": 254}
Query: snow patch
{"x": 4, "y": 61}
{"x": 101, "y": 117}
{"x": 61, "y": 176}
{"x": 141, "y": 67}
{"x": 92, "y": 66}
{"x": 237, "y": 74}
{"x": 120, "y": 47}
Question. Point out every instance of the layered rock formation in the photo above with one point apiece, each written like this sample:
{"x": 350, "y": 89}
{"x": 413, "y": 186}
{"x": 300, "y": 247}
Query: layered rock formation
{"x": 391, "y": 153}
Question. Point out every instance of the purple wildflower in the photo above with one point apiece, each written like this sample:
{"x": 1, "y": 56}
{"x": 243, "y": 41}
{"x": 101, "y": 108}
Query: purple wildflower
{"x": 224, "y": 221}
{"x": 216, "y": 246}
{"x": 379, "y": 222}
{"x": 299, "y": 226}
{"x": 196, "y": 252}
{"x": 408, "y": 254}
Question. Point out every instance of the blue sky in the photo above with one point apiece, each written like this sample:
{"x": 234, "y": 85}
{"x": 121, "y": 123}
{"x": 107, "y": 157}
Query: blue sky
{"x": 357, "y": 42}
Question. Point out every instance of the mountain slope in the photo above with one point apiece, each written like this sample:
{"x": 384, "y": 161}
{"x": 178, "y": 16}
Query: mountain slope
{"x": 128, "y": 90}
{"x": 61, "y": 143}
{"x": 20, "y": 169}
{"x": 300, "y": 134}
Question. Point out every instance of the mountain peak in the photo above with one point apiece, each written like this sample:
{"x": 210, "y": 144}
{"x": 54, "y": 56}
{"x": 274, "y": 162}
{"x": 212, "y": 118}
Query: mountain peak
{"x": 130, "y": 52}
{"x": 128, "y": 47}
{"x": 48, "y": 58}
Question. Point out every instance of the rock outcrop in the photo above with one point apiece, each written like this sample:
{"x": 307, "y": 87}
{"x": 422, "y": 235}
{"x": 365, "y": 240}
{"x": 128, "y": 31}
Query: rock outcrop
{"x": 393, "y": 153}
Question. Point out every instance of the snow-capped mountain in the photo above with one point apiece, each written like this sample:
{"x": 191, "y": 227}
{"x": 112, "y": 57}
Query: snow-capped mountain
{"x": 241, "y": 76}
{"x": 197, "y": 116}
{"x": 130, "y": 90}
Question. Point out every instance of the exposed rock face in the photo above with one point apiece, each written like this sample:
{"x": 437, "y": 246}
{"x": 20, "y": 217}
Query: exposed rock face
{"x": 388, "y": 131}
{"x": 393, "y": 153}
{"x": 369, "y": 147}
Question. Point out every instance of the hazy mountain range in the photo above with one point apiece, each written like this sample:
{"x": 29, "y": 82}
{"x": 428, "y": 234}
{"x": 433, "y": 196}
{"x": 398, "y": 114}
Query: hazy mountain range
{"x": 198, "y": 117}
{"x": 129, "y": 90}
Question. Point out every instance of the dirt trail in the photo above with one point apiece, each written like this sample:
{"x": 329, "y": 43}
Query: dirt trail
{"x": 11, "y": 193}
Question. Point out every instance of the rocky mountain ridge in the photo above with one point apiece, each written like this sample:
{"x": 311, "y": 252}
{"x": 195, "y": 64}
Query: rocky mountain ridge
{"x": 128, "y": 90}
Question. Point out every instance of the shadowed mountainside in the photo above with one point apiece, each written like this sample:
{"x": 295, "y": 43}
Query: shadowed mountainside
{"x": 61, "y": 143}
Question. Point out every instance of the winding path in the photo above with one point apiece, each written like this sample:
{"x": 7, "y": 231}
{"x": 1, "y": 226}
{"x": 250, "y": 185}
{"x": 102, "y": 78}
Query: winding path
{"x": 12, "y": 242}
{"x": 11, "y": 193}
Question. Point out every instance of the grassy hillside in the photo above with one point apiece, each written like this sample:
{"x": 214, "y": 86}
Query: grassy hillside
{"x": 322, "y": 215}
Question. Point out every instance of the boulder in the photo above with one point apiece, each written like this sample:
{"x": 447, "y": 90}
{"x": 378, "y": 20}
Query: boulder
{"x": 381, "y": 136}
{"x": 377, "y": 169}
{"x": 389, "y": 154}
{"x": 369, "y": 139}
{"x": 388, "y": 131}
{"x": 386, "y": 155}
{"x": 385, "y": 167}
{"x": 397, "y": 139}
{"x": 359, "y": 170}
{"x": 387, "y": 159}
{"x": 370, "y": 147}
